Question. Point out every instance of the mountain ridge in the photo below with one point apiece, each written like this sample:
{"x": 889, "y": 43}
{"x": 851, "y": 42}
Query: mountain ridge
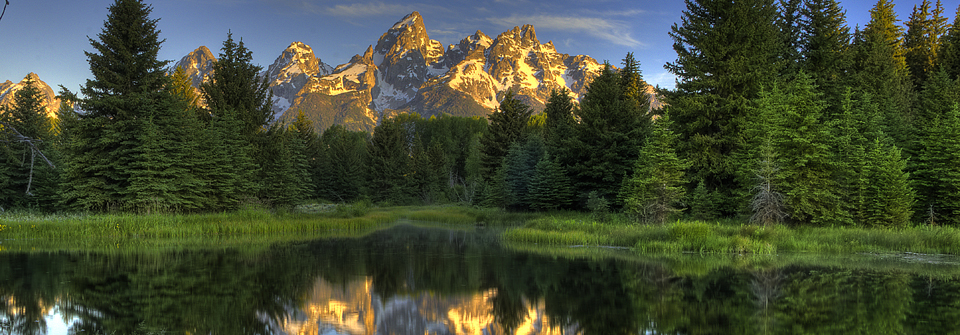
{"x": 407, "y": 72}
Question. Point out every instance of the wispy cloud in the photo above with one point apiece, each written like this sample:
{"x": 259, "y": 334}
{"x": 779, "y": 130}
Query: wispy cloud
{"x": 614, "y": 31}
{"x": 355, "y": 9}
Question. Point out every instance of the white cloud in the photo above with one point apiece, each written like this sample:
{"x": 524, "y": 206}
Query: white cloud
{"x": 613, "y": 31}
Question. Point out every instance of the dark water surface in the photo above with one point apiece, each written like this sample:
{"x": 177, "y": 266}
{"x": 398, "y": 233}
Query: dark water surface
{"x": 413, "y": 280}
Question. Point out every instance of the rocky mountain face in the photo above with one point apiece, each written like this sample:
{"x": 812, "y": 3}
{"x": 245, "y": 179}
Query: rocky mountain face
{"x": 291, "y": 72}
{"x": 8, "y": 90}
{"x": 406, "y": 71}
{"x": 198, "y": 66}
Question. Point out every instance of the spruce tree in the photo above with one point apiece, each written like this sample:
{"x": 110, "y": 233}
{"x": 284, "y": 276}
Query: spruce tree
{"x": 237, "y": 93}
{"x": 789, "y": 21}
{"x": 889, "y": 199}
{"x": 342, "y": 162}
{"x": 519, "y": 168}
{"x": 390, "y": 160}
{"x": 950, "y": 48}
{"x": 879, "y": 70}
{"x": 726, "y": 52}
{"x": 235, "y": 86}
{"x": 28, "y": 179}
{"x": 804, "y": 155}
{"x": 826, "y": 39}
{"x": 922, "y": 41}
{"x": 656, "y": 184}
{"x": 550, "y": 188}
{"x": 613, "y": 126}
{"x": 935, "y": 176}
{"x": 507, "y": 126}
{"x": 125, "y": 103}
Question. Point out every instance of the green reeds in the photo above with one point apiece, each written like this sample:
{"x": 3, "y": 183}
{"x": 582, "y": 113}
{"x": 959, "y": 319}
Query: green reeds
{"x": 701, "y": 237}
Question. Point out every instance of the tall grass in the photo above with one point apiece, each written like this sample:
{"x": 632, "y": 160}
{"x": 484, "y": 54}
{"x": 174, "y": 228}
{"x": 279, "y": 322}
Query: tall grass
{"x": 731, "y": 237}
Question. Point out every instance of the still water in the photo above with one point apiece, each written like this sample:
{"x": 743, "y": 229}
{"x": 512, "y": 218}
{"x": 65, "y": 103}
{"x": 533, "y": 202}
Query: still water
{"x": 415, "y": 280}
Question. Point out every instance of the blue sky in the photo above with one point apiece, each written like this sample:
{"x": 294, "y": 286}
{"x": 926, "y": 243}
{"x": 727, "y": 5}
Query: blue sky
{"x": 49, "y": 36}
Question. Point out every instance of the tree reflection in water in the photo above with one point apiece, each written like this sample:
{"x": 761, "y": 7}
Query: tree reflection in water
{"x": 423, "y": 280}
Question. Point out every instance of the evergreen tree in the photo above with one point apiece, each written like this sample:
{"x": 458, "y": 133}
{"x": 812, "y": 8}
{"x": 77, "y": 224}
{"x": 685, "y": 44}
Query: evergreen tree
{"x": 236, "y": 87}
{"x": 559, "y": 125}
{"x": 802, "y": 146}
{"x": 519, "y": 168}
{"x": 656, "y": 185}
{"x": 390, "y": 159}
{"x": 126, "y": 105}
{"x": 826, "y": 39}
{"x": 550, "y": 188}
{"x": 726, "y": 51}
{"x": 922, "y": 41}
{"x": 935, "y": 176}
{"x": 181, "y": 86}
{"x": 284, "y": 174}
{"x": 950, "y": 48}
{"x": 342, "y": 160}
{"x": 226, "y": 168}
{"x": 507, "y": 126}
{"x": 889, "y": 198}
{"x": 789, "y": 22}
{"x": 879, "y": 70}
{"x": 237, "y": 92}
{"x": 613, "y": 126}
{"x": 302, "y": 129}
{"x": 702, "y": 204}
{"x": 28, "y": 179}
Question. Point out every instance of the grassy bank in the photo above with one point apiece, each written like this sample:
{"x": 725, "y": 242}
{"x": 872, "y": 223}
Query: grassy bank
{"x": 257, "y": 226}
{"x": 249, "y": 228}
{"x": 567, "y": 229}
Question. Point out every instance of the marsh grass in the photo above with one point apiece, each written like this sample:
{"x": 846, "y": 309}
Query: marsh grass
{"x": 700, "y": 237}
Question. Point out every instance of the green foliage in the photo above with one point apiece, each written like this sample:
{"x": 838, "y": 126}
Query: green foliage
{"x": 936, "y": 177}
{"x": 507, "y": 126}
{"x": 340, "y": 170}
{"x": 612, "y": 126}
{"x": 889, "y": 198}
{"x": 656, "y": 185}
{"x": 950, "y": 49}
{"x": 116, "y": 156}
{"x": 726, "y": 52}
{"x": 389, "y": 170}
{"x": 825, "y": 41}
{"x": 235, "y": 87}
{"x": 922, "y": 41}
{"x": 26, "y": 177}
{"x": 803, "y": 150}
{"x": 519, "y": 168}
{"x": 702, "y": 203}
{"x": 550, "y": 188}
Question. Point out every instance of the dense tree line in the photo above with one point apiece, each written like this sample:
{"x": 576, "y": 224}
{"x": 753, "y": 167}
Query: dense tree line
{"x": 780, "y": 113}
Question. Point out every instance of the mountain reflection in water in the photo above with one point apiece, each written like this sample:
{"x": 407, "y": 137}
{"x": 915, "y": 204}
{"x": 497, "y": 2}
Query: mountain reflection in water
{"x": 414, "y": 280}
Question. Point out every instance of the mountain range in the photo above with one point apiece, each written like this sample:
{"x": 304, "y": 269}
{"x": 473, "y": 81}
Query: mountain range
{"x": 406, "y": 71}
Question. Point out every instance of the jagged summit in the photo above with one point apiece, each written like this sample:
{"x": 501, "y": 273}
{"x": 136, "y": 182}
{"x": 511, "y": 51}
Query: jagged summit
{"x": 406, "y": 71}
{"x": 198, "y": 65}
{"x": 9, "y": 89}
{"x": 413, "y": 20}
{"x": 290, "y": 72}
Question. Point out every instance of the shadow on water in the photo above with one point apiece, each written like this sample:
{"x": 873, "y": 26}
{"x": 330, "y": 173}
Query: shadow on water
{"x": 415, "y": 280}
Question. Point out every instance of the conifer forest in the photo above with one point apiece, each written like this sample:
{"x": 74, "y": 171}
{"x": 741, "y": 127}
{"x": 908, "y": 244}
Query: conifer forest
{"x": 782, "y": 113}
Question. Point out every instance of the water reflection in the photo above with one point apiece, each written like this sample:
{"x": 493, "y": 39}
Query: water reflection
{"x": 410, "y": 280}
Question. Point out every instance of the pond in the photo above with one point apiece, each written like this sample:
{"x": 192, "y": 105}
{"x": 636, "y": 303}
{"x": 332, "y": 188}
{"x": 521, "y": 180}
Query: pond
{"x": 420, "y": 280}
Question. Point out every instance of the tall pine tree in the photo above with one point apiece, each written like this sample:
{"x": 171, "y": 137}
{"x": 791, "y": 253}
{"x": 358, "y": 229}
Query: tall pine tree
{"x": 657, "y": 182}
{"x": 726, "y": 52}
